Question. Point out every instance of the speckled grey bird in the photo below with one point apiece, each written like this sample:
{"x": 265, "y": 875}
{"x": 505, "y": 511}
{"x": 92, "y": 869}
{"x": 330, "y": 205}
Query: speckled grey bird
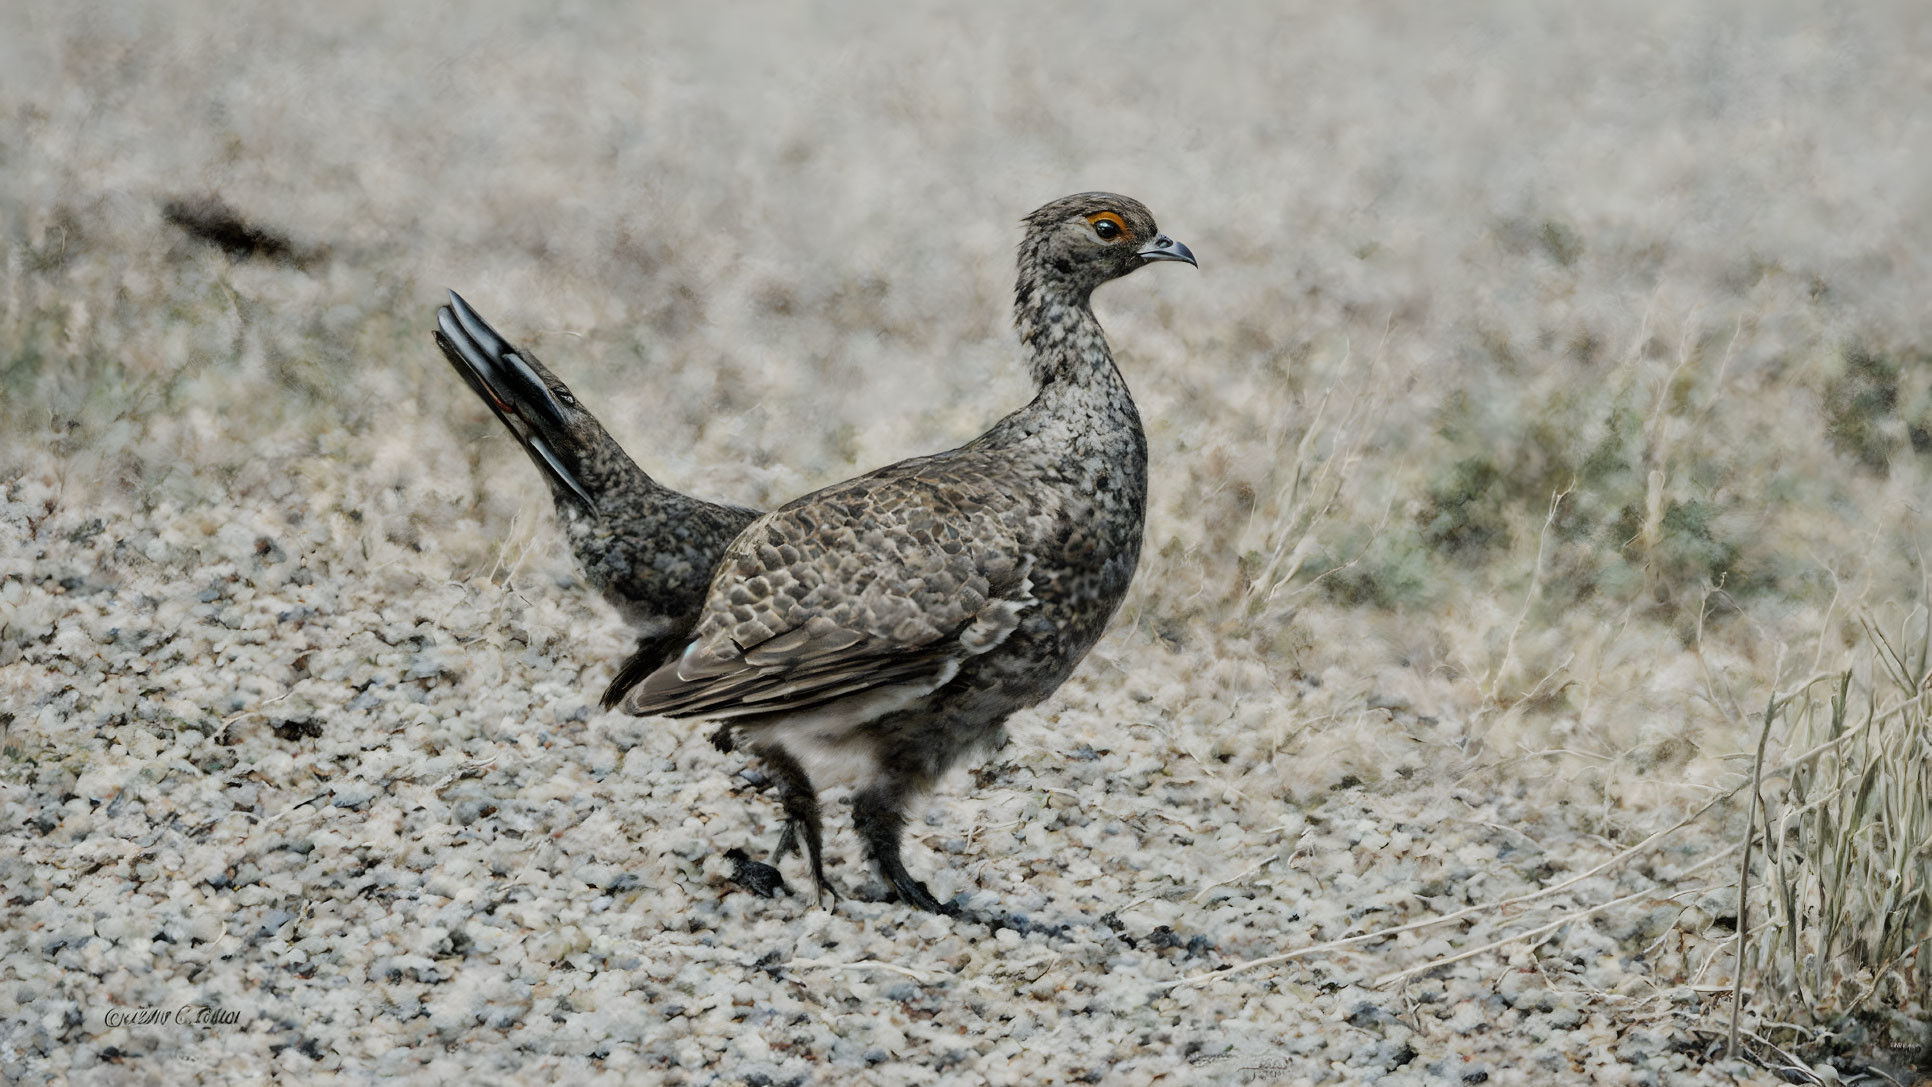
{"x": 884, "y": 628}
{"x": 648, "y": 549}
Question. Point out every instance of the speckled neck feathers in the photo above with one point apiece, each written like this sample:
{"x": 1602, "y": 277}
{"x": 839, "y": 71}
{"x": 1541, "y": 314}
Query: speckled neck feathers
{"x": 1062, "y": 338}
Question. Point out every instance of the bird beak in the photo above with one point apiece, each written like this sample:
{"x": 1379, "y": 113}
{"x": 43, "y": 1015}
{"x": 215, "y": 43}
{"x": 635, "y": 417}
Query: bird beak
{"x": 1166, "y": 248}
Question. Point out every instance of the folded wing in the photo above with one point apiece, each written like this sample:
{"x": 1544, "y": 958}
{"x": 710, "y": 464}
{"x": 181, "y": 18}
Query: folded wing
{"x": 866, "y": 590}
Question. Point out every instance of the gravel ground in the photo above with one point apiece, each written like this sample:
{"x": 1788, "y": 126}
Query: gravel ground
{"x": 303, "y": 777}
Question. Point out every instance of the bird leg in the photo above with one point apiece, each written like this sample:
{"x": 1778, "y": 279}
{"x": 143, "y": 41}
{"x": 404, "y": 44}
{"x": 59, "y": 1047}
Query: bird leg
{"x": 800, "y": 801}
{"x": 879, "y": 815}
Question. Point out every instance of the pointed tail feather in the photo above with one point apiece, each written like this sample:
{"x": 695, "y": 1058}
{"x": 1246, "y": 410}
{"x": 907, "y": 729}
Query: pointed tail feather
{"x": 517, "y": 390}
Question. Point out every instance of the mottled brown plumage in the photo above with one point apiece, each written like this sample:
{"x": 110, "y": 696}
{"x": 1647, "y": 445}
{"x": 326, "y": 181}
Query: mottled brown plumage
{"x": 885, "y": 627}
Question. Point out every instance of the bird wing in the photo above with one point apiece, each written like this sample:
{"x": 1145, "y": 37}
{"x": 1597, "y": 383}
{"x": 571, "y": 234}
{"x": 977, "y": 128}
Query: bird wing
{"x": 878, "y": 583}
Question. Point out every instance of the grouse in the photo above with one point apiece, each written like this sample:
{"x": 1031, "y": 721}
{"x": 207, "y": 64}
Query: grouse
{"x": 883, "y": 628}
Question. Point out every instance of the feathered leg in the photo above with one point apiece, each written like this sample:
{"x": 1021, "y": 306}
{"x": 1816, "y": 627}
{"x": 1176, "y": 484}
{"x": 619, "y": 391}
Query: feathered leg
{"x": 878, "y": 812}
{"x": 800, "y": 801}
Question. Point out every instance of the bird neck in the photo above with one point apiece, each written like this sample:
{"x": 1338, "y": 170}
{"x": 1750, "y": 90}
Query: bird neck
{"x": 1064, "y": 345}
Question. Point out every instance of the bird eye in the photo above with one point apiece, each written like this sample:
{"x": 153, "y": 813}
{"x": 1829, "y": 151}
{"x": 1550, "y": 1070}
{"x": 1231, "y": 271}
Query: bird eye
{"x": 569, "y": 401}
{"x": 1108, "y": 225}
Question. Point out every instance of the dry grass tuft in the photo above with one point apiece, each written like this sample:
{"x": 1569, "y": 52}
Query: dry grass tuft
{"x": 1843, "y": 957}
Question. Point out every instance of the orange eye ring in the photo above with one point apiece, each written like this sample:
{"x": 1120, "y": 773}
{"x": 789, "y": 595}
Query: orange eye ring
{"x": 1109, "y": 226}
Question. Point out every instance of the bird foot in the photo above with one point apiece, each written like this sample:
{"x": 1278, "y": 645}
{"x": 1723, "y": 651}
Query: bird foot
{"x": 915, "y": 894}
{"x": 824, "y": 894}
{"x": 788, "y": 842}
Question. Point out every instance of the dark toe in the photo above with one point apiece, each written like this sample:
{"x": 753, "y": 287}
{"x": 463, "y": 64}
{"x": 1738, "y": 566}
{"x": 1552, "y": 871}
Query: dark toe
{"x": 825, "y": 894}
{"x": 787, "y": 842}
{"x": 914, "y": 893}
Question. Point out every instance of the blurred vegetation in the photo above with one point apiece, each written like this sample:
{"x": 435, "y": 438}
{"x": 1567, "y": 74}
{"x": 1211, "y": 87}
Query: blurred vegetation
{"x": 1879, "y": 406}
{"x": 1659, "y": 487}
{"x": 1496, "y": 485}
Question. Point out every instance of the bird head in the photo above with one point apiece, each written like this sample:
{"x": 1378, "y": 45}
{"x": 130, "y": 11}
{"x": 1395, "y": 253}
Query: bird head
{"x": 1084, "y": 240}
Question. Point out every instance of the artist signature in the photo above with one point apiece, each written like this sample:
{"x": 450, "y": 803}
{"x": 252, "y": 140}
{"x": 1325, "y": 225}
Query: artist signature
{"x": 1256, "y": 1070}
{"x": 187, "y": 1015}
